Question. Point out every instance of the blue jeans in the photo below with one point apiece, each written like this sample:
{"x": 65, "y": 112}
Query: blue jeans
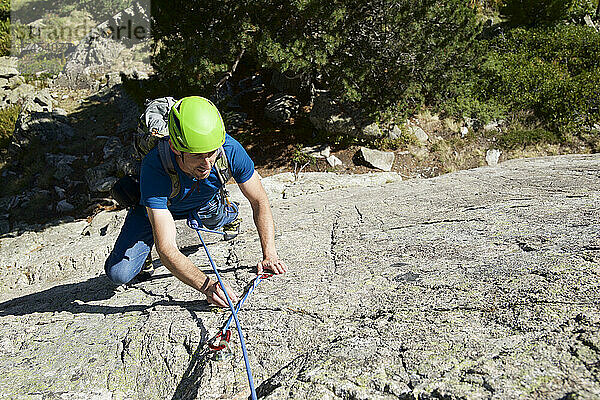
{"x": 136, "y": 240}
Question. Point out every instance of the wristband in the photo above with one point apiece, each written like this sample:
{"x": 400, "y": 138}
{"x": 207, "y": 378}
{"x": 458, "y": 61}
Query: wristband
{"x": 205, "y": 285}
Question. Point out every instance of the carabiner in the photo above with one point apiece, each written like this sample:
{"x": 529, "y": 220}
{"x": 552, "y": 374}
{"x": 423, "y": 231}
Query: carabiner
{"x": 223, "y": 343}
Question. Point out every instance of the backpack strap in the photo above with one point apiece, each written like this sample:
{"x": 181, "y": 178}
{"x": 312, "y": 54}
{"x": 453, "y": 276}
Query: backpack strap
{"x": 224, "y": 173}
{"x": 222, "y": 166}
{"x": 167, "y": 163}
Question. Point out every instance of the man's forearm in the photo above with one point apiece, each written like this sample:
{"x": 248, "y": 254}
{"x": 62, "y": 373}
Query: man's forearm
{"x": 263, "y": 219}
{"x": 184, "y": 270}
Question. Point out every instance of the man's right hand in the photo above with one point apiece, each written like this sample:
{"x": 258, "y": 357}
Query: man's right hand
{"x": 214, "y": 295}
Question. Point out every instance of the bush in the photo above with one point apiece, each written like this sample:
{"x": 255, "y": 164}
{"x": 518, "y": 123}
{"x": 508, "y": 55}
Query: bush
{"x": 4, "y": 27}
{"x": 390, "y": 58}
{"x": 197, "y": 42}
{"x": 8, "y": 119}
{"x": 535, "y": 12}
{"x": 520, "y": 138}
{"x": 531, "y": 13}
{"x": 392, "y": 54}
{"x": 554, "y": 73}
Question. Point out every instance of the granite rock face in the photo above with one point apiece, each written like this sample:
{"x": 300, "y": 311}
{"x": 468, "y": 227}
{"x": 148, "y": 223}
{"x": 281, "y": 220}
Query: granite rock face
{"x": 481, "y": 284}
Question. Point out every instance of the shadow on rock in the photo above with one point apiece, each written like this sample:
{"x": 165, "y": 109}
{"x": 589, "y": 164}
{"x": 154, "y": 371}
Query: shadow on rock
{"x": 187, "y": 389}
{"x": 73, "y": 298}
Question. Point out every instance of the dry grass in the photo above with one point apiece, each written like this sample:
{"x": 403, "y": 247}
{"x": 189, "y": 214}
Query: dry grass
{"x": 456, "y": 154}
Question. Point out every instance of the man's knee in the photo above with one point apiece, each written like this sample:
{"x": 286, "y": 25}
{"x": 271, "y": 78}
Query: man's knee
{"x": 123, "y": 271}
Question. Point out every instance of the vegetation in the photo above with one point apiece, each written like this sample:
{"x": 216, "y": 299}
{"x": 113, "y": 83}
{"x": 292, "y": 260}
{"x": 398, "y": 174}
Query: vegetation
{"x": 8, "y": 118}
{"x": 390, "y": 59}
{"x": 4, "y": 27}
{"x": 516, "y": 138}
{"x": 546, "y": 76}
{"x": 387, "y": 55}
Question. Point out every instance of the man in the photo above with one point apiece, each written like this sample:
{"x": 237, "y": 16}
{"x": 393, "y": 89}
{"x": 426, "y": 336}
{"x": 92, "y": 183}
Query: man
{"x": 197, "y": 138}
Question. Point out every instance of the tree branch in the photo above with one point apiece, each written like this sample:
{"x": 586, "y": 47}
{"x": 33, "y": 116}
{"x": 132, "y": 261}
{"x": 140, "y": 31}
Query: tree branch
{"x": 230, "y": 73}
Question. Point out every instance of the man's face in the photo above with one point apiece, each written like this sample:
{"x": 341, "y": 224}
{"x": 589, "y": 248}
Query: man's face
{"x": 198, "y": 165}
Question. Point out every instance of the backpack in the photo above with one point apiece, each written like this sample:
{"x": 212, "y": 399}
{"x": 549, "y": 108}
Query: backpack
{"x": 153, "y": 131}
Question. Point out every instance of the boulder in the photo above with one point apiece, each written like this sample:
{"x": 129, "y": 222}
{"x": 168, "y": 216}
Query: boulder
{"x": 112, "y": 148}
{"x": 8, "y": 72}
{"x": 418, "y": 133}
{"x": 9, "y": 62}
{"x": 234, "y": 120}
{"x": 60, "y": 192}
{"x": 42, "y": 125}
{"x": 281, "y": 108}
{"x": 327, "y": 116}
{"x": 74, "y": 78}
{"x": 333, "y": 161}
{"x": 492, "y": 156}
{"x": 15, "y": 81}
{"x": 64, "y": 206}
{"x": 383, "y": 160}
{"x": 371, "y": 131}
{"x": 94, "y": 50}
{"x": 395, "y": 133}
{"x": 40, "y": 101}
{"x": 99, "y": 52}
{"x": 19, "y": 93}
{"x": 100, "y": 178}
{"x": 63, "y": 170}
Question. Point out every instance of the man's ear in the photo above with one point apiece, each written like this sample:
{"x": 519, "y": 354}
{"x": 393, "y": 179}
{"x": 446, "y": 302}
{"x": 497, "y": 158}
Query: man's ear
{"x": 177, "y": 152}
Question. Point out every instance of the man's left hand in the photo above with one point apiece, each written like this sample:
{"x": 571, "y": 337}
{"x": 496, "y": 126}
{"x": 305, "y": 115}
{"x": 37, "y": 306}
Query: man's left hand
{"x": 273, "y": 264}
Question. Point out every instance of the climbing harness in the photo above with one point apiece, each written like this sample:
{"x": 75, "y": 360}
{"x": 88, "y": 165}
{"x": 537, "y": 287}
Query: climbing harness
{"x": 225, "y": 334}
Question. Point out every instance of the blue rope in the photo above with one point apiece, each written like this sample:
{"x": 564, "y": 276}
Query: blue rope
{"x": 235, "y": 317}
{"x": 257, "y": 280}
{"x": 209, "y": 231}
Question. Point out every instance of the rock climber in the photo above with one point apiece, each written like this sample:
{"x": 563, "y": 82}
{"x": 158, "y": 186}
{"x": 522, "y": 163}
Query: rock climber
{"x": 196, "y": 141}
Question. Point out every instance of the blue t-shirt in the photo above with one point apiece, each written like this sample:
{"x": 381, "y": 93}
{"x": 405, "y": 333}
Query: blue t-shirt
{"x": 155, "y": 184}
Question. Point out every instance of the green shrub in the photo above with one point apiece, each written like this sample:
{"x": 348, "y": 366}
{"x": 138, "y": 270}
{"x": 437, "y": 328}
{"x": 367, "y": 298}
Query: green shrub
{"x": 535, "y": 12}
{"x": 392, "y": 54}
{"x": 520, "y": 138}
{"x": 580, "y": 9}
{"x": 8, "y": 118}
{"x": 554, "y": 73}
{"x": 4, "y": 27}
{"x": 392, "y": 57}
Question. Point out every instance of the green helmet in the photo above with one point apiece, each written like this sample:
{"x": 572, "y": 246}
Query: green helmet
{"x": 195, "y": 125}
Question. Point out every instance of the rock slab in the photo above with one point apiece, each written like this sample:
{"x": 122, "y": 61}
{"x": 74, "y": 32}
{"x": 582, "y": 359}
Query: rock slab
{"x": 479, "y": 284}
